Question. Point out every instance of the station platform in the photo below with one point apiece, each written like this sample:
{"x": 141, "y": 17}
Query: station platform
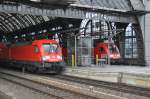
{"x": 133, "y": 75}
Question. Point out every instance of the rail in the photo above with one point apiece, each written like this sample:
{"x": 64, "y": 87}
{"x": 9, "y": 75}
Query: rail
{"x": 54, "y": 88}
{"x": 121, "y": 87}
{"x": 4, "y": 96}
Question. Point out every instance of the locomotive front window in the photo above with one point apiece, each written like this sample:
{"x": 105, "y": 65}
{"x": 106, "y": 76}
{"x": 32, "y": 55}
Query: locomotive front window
{"x": 50, "y": 48}
{"x": 113, "y": 49}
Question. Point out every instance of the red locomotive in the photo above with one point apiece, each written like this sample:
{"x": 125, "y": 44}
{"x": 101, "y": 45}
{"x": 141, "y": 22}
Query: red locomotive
{"x": 107, "y": 50}
{"x": 39, "y": 55}
{"x": 103, "y": 51}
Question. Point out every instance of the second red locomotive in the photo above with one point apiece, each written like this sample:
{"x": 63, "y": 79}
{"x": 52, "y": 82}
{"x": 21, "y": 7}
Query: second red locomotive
{"x": 107, "y": 50}
{"x": 39, "y": 55}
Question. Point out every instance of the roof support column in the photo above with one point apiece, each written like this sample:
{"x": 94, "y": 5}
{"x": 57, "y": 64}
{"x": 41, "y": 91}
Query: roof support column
{"x": 145, "y": 20}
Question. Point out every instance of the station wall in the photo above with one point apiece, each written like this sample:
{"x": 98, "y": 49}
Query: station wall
{"x": 145, "y": 26}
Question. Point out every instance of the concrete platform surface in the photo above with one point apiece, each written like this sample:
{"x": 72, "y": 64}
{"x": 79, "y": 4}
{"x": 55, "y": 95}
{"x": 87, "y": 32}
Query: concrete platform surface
{"x": 116, "y": 68}
{"x": 133, "y": 75}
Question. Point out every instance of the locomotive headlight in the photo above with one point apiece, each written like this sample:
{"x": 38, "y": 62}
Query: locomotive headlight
{"x": 111, "y": 55}
{"x": 118, "y": 55}
{"x": 59, "y": 57}
{"x": 45, "y": 58}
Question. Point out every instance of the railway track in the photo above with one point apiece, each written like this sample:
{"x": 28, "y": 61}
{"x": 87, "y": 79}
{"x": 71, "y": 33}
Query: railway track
{"x": 26, "y": 83}
{"x": 124, "y": 88}
{"x": 53, "y": 88}
{"x": 4, "y": 96}
{"x": 89, "y": 92}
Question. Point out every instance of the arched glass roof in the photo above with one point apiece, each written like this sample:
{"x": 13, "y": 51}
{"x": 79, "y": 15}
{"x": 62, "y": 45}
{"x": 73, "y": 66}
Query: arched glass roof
{"x": 10, "y": 22}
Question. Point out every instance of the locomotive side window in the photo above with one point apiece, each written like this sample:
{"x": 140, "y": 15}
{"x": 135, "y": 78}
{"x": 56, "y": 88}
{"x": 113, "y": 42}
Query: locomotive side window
{"x": 50, "y": 48}
{"x": 36, "y": 49}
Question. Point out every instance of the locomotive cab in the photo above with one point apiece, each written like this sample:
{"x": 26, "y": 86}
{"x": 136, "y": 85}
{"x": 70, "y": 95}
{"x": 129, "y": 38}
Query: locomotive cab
{"x": 50, "y": 55}
{"x": 51, "y": 52}
{"x": 105, "y": 50}
{"x": 113, "y": 52}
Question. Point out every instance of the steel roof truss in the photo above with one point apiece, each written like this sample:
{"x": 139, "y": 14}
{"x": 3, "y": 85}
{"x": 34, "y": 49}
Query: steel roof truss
{"x": 70, "y": 12}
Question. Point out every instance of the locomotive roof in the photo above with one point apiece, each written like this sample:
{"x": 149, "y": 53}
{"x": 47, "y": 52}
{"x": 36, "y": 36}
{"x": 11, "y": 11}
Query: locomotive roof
{"x": 32, "y": 42}
{"x": 19, "y": 44}
{"x": 45, "y": 40}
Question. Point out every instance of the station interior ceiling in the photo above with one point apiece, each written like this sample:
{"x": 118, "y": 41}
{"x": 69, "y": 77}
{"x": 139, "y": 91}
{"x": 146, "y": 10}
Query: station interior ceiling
{"x": 17, "y": 24}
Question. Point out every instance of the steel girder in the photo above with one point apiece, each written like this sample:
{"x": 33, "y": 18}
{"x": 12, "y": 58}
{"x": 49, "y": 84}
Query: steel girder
{"x": 59, "y": 2}
{"x": 12, "y": 24}
{"x": 73, "y": 11}
{"x": 24, "y": 21}
{"x": 48, "y": 26}
{"x": 34, "y": 31}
